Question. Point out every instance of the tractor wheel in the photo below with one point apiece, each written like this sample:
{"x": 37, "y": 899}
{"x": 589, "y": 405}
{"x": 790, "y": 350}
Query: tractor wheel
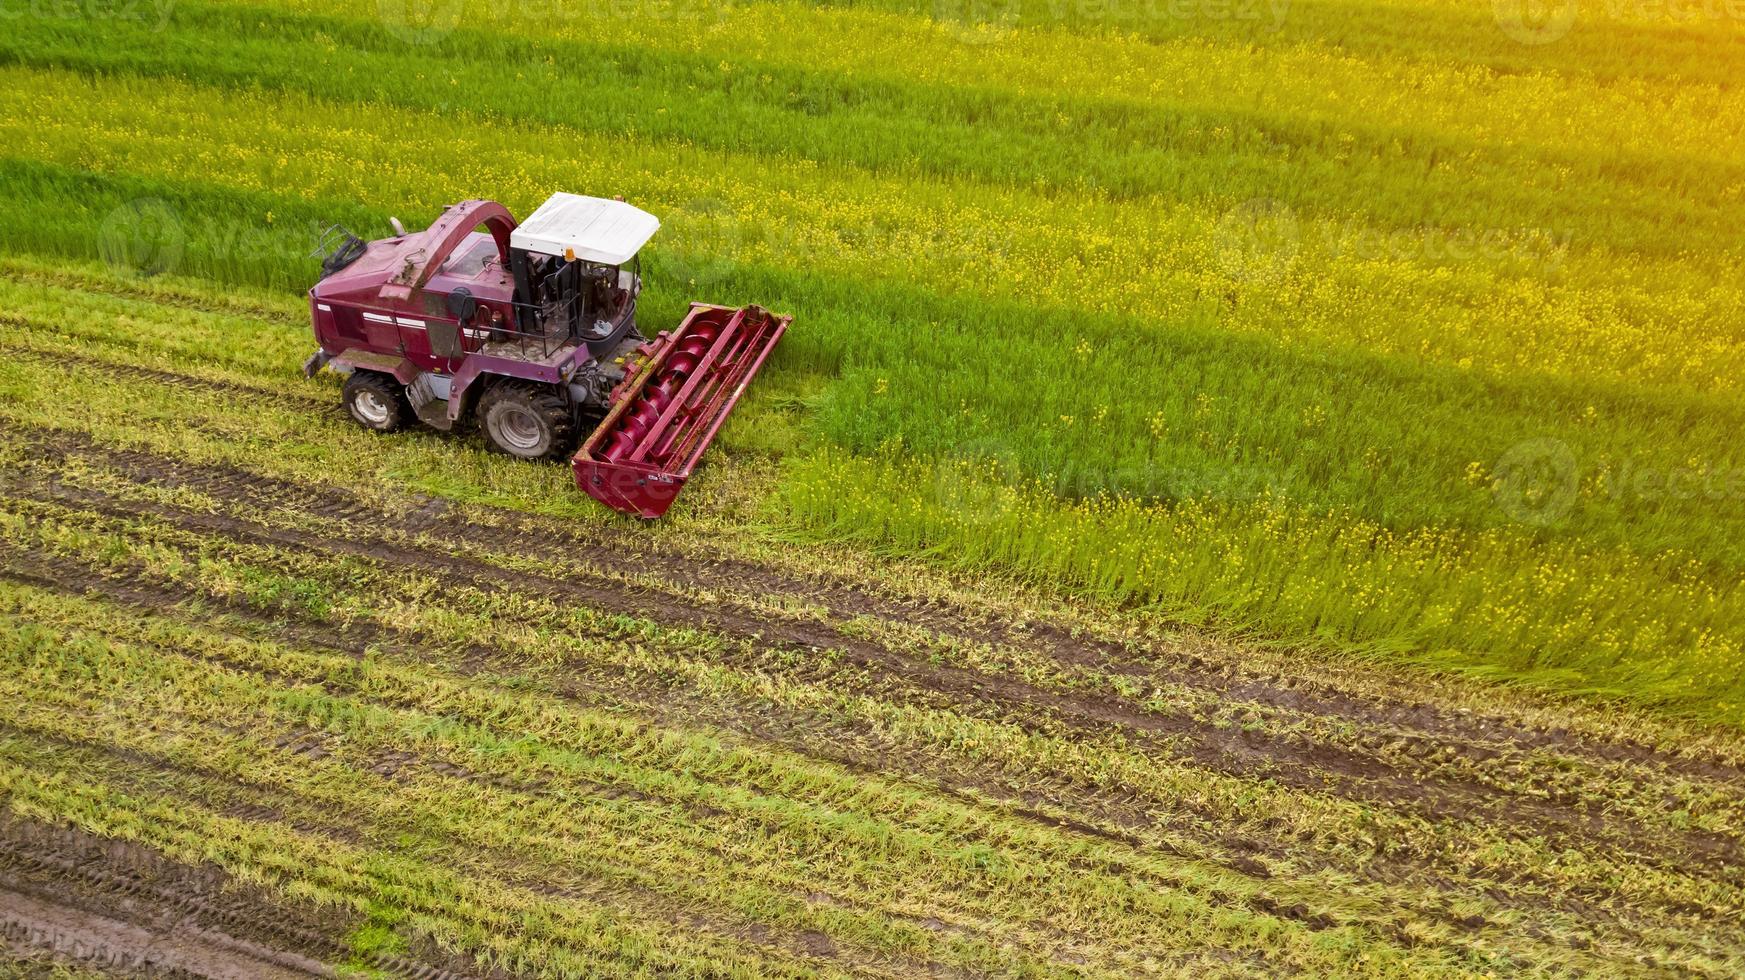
{"x": 527, "y": 421}
{"x": 376, "y": 401}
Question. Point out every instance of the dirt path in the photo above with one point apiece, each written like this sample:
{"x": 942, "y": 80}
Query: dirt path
{"x": 112, "y": 943}
{"x": 123, "y": 909}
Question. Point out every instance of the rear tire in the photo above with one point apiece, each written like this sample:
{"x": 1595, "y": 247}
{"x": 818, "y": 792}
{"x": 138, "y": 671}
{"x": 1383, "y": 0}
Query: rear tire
{"x": 527, "y": 421}
{"x": 376, "y": 402}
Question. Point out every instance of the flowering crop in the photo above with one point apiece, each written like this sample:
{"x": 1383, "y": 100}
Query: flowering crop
{"x": 1235, "y": 327}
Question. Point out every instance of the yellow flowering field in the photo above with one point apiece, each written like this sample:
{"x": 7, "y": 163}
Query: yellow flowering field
{"x": 1122, "y": 269}
{"x": 1252, "y": 487}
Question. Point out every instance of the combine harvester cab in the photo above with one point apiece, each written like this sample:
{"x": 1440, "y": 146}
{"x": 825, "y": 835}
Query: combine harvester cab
{"x": 530, "y": 330}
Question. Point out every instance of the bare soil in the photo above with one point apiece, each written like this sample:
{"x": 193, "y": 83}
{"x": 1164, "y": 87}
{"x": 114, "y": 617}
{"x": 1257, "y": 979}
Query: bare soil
{"x": 120, "y": 909}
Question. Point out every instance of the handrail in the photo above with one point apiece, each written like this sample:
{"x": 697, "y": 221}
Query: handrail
{"x": 570, "y": 311}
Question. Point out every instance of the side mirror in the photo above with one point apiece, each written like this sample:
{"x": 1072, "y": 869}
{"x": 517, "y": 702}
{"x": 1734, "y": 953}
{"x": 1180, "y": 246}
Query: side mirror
{"x": 461, "y": 304}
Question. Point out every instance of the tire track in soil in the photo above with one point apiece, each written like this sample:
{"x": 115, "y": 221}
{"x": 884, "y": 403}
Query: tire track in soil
{"x": 1243, "y": 754}
{"x": 122, "y": 905}
{"x": 246, "y": 800}
{"x": 506, "y": 867}
{"x": 395, "y": 765}
{"x": 150, "y": 601}
{"x": 62, "y": 930}
{"x": 846, "y": 598}
{"x": 1480, "y": 737}
{"x": 798, "y": 735}
{"x": 74, "y": 282}
{"x": 167, "y": 378}
{"x": 356, "y": 640}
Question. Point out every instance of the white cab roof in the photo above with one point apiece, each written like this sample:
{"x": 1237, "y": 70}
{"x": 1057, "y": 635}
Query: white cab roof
{"x": 595, "y": 228}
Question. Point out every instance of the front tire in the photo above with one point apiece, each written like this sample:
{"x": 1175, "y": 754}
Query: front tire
{"x": 527, "y": 421}
{"x": 376, "y": 402}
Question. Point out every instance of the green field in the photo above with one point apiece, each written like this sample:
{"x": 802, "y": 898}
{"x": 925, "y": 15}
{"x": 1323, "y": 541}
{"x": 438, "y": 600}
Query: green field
{"x": 1250, "y": 488}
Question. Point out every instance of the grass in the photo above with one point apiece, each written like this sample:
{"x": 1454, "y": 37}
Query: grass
{"x": 1178, "y": 378}
{"x": 86, "y": 661}
{"x": 538, "y": 779}
{"x": 1393, "y": 473}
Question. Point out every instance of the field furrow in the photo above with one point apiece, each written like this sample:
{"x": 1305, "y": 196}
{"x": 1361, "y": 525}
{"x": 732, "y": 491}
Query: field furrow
{"x": 966, "y": 705}
{"x": 1247, "y": 488}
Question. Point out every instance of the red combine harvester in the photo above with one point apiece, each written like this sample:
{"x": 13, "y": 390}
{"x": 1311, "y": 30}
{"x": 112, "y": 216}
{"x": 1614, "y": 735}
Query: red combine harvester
{"x": 531, "y": 330}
